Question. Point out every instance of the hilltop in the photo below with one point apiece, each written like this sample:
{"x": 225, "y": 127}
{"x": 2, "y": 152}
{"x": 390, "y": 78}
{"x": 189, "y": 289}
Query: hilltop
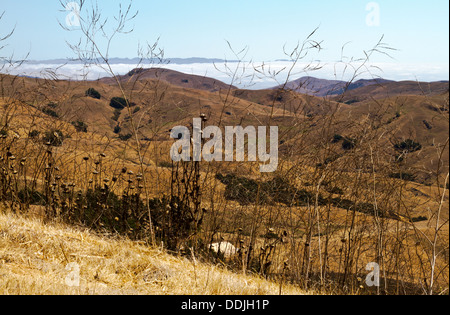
{"x": 170, "y": 76}
{"x": 392, "y": 89}
{"x": 362, "y": 89}
{"x": 321, "y": 87}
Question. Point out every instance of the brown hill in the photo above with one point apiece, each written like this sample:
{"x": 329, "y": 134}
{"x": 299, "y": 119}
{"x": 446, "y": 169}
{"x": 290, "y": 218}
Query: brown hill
{"x": 290, "y": 101}
{"x": 391, "y": 89}
{"x": 173, "y": 77}
{"x": 420, "y": 118}
{"x": 157, "y": 106}
{"x": 403, "y": 110}
{"x": 321, "y": 87}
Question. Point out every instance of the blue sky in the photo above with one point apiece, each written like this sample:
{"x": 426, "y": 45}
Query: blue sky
{"x": 419, "y": 30}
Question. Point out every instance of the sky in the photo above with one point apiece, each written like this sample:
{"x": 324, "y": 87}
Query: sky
{"x": 417, "y": 30}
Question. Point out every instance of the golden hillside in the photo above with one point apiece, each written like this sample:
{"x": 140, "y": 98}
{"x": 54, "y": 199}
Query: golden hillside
{"x": 357, "y": 182}
{"x": 34, "y": 257}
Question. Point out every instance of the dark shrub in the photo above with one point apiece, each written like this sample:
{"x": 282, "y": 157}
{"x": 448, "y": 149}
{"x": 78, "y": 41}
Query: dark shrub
{"x": 50, "y": 112}
{"x": 352, "y": 101}
{"x": 125, "y": 137}
{"x": 116, "y": 115}
{"x": 91, "y": 92}
{"x": 281, "y": 191}
{"x": 348, "y": 144}
{"x": 241, "y": 189}
{"x": 34, "y": 134}
{"x": 408, "y": 145}
{"x": 54, "y": 138}
{"x": 52, "y": 105}
{"x": 404, "y": 176}
{"x": 117, "y": 129}
{"x": 427, "y": 125}
{"x": 335, "y": 190}
{"x": 337, "y": 138}
{"x": 419, "y": 219}
{"x": 31, "y": 197}
{"x": 165, "y": 164}
{"x": 136, "y": 71}
{"x": 329, "y": 160}
{"x": 118, "y": 103}
{"x": 276, "y": 190}
{"x": 80, "y": 126}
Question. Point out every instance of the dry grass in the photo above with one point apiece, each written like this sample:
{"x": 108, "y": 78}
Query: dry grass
{"x": 34, "y": 256}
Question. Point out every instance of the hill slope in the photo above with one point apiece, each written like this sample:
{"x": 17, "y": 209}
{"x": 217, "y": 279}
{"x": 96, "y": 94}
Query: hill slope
{"x": 321, "y": 87}
{"x": 173, "y": 77}
{"x": 155, "y": 102}
{"x": 390, "y": 89}
{"x": 34, "y": 257}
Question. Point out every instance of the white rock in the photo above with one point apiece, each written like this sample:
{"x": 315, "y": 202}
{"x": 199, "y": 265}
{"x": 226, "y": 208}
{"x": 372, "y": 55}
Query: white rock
{"x": 224, "y": 248}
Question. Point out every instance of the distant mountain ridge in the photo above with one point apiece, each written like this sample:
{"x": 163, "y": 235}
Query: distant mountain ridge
{"x": 305, "y": 85}
{"x": 322, "y": 87}
{"x": 133, "y": 61}
{"x": 394, "y": 88}
{"x": 351, "y": 91}
{"x": 354, "y": 91}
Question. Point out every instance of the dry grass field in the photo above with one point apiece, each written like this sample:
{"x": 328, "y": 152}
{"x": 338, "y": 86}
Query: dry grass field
{"x": 36, "y": 258}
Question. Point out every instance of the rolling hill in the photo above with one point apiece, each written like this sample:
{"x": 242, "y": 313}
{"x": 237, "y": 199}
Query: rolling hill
{"x": 345, "y": 165}
{"x": 392, "y": 89}
{"x": 321, "y": 87}
{"x": 173, "y": 77}
{"x": 162, "y": 99}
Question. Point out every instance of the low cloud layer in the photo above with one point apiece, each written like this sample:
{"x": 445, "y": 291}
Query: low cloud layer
{"x": 248, "y": 75}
